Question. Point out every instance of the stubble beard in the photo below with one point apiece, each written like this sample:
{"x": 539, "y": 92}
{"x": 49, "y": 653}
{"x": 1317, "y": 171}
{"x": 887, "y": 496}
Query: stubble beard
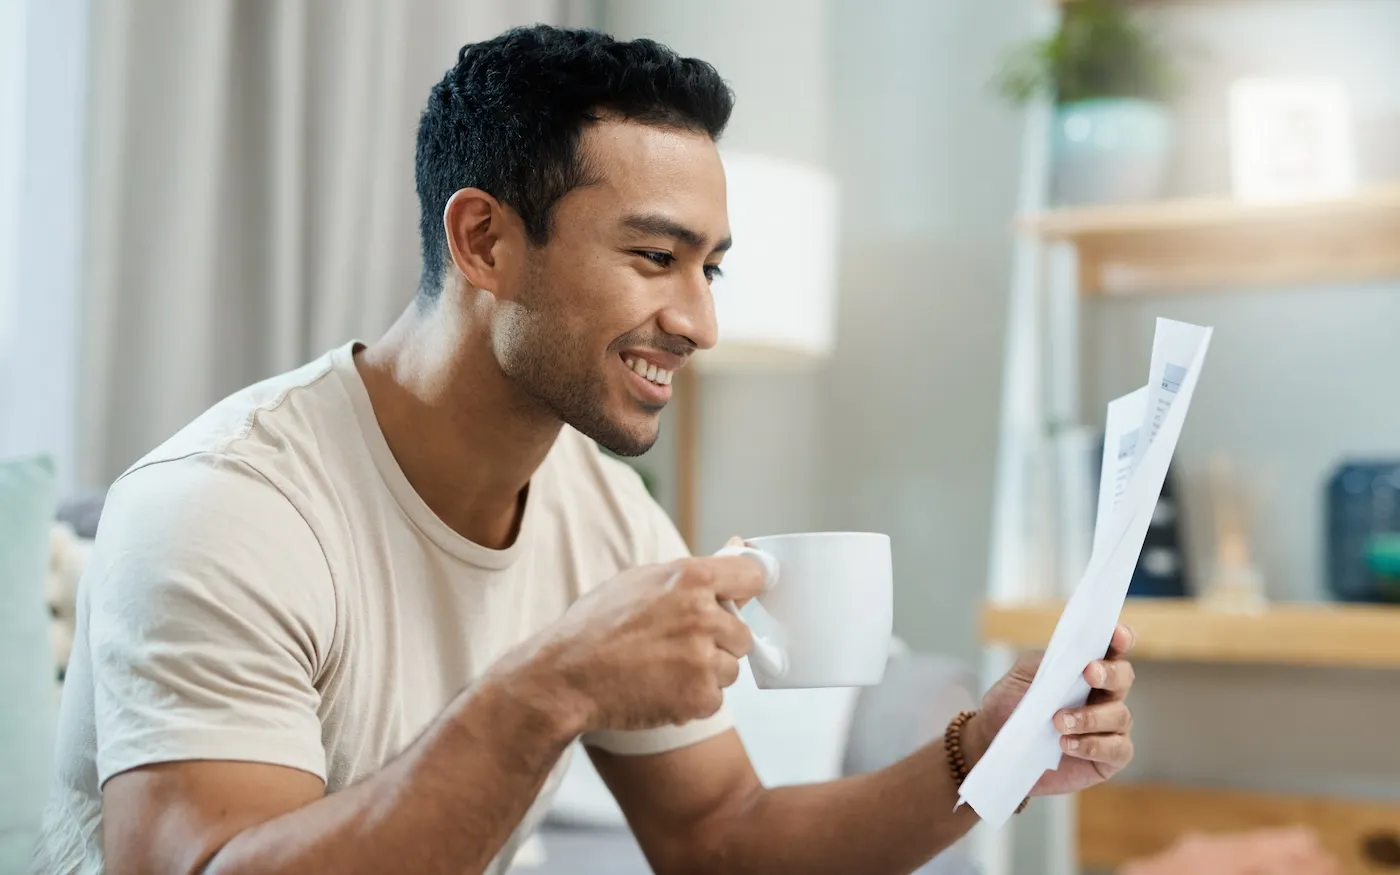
{"x": 552, "y": 368}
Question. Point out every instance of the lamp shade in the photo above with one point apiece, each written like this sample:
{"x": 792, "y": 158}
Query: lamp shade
{"x": 776, "y": 302}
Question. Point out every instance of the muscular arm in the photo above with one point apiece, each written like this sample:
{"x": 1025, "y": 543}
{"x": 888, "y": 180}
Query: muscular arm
{"x": 447, "y": 804}
{"x": 208, "y": 618}
{"x": 703, "y": 809}
{"x": 210, "y": 604}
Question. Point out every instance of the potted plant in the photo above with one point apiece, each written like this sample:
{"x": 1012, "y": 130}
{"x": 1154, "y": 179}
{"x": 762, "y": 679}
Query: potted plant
{"x": 1109, "y": 80}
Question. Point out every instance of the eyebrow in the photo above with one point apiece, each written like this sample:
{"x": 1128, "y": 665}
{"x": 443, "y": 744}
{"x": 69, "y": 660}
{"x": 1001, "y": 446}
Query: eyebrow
{"x": 661, "y": 226}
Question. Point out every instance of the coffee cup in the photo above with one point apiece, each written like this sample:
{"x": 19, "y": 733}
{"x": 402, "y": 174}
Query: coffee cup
{"x": 826, "y": 610}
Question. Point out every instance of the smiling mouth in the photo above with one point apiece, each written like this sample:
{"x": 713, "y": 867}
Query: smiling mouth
{"x": 648, "y": 371}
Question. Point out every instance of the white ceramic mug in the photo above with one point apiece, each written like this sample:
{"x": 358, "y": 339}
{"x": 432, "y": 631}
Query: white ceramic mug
{"x": 829, "y": 600}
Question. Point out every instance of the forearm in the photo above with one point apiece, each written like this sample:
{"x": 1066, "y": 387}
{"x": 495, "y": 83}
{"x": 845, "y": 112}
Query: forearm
{"x": 446, "y": 805}
{"x": 887, "y": 822}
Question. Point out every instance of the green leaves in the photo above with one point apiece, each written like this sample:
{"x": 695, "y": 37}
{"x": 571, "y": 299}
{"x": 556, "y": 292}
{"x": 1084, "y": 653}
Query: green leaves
{"x": 1099, "y": 51}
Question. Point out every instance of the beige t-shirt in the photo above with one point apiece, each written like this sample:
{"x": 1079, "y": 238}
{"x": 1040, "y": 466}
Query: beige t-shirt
{"x": 267, "y": 586}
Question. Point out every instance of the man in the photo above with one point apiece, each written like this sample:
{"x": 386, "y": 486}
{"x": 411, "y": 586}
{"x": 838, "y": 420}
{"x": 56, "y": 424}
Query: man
{"x": 351, "y": 619}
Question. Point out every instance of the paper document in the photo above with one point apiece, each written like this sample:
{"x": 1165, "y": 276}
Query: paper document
{"x": 1173, "y": 349}
{"x": 1140, "y": 438}
{"x": 1121, "y": 430}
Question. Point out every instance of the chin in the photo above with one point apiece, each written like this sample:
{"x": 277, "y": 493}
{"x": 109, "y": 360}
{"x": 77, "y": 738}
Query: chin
{"x": 627, "y": 437}
{"x": 630, "y": 445}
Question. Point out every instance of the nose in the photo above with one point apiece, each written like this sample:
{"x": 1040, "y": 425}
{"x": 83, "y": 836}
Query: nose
{"x": 691, "y": 312}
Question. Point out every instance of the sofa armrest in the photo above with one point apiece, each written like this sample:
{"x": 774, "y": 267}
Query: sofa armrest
{"x": 911, "y": 706}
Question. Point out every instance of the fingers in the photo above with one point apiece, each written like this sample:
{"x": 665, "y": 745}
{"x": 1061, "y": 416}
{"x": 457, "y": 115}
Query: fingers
{"x": 1122, "y": 641}
{"x": 725, "y": 667}
{"x": 1111, "y": 717}
{"x": 1111, "y": 675}
{"x": 731, "y": 634}
{"x": 727, "y": 577}
{"x": 1111, "y": 750}
{"x": 737, "y": 541}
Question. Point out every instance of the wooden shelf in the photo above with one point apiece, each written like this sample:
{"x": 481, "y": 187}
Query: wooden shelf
{"x": 1334, "y": 635}
{"x": 1215, "y": 242}
{"x": 1120, "y": 821}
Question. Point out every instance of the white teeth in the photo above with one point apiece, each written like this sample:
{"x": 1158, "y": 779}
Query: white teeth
{"x": 659, "y": 376}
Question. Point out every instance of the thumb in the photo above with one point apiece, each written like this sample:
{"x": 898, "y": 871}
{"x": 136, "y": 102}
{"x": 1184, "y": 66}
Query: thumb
{"x": 1026, "y": 665}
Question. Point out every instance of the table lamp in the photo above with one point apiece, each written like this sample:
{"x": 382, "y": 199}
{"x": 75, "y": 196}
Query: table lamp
{"x": 775, "y": 304}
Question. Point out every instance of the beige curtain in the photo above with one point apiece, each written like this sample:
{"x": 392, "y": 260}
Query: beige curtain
{"x": 250, "y": 199}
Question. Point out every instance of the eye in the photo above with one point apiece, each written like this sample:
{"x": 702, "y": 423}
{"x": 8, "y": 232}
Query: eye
{"x": 660, "y": 259}
{"x": 713, "y": 272}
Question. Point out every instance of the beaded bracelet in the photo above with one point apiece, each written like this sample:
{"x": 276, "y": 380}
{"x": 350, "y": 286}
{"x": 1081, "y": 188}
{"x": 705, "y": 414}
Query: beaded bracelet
{"x": 957, "y": 762}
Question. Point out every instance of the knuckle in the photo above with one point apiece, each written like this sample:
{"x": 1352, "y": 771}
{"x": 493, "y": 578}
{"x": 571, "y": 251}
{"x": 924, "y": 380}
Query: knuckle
{"x": 701, "y": 603}
{"x": 690, "y": 575}
{"x": 1088, "y": 721}
{"x": 673, "y": 574}
{"x": 716, "y": 614}
{"x": 703, "y": 574}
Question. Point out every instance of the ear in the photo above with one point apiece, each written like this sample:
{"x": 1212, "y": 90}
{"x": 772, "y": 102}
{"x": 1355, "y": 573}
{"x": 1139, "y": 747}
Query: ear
{"x": 485, "y": 239}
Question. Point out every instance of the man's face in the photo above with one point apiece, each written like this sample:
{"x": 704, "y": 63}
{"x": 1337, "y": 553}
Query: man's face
{"x": 619, "y": 297}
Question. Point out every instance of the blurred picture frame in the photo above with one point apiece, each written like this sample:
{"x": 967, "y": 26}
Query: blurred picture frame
{"x": 1291, "y": 139}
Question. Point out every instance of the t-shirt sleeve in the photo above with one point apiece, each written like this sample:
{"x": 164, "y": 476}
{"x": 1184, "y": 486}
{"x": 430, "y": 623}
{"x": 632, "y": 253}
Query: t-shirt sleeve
{"x": 664, "y": 544}
{"x": 210, "y": 607}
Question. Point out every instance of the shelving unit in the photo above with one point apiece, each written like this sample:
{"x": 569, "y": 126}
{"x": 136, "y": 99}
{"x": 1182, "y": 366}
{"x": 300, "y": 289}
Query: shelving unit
{"x": 1062, "y": 257}
{"x": 1180, "y": 630}
{"x": 1365, "y": 836}
{"x": 1210, "y": 242}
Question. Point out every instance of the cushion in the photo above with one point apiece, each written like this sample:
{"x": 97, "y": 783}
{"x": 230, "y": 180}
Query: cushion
{"x": 27, "y": 502}
{"x": 82, "y": 512}
{"x": 913, "y": 704}
{"x": 68, "y": 556}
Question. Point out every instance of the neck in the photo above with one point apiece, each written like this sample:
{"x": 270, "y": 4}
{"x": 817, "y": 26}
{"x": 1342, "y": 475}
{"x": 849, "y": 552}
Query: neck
{"x": 465, "y": 438}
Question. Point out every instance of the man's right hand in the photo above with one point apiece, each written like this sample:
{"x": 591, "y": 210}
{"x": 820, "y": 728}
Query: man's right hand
{"x": 651, "y": 647}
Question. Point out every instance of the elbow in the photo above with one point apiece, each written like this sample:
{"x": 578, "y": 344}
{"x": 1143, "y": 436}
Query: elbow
{"x": 717, "y": 843}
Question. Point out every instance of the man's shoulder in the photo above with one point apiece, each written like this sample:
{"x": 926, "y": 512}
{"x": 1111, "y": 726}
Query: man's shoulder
{"x": 257, "y": 424}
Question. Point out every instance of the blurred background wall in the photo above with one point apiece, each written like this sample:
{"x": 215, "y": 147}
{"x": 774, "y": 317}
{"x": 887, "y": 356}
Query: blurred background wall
{"x": 1297, "y": 379}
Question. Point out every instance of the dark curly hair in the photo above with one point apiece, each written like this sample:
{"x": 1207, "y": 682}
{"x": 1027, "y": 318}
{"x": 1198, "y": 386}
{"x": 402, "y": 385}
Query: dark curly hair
{"x": 507, "y": 118}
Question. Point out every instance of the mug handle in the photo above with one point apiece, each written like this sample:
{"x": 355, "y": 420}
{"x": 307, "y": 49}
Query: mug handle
{"x": 767, "y": 654}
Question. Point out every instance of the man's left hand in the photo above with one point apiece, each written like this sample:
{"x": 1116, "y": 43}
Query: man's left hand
{"x": 1096, "y": 739}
